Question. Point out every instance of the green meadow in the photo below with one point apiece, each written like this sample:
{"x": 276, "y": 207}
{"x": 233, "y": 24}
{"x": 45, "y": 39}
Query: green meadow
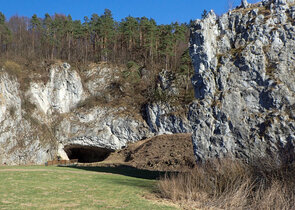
{"x": 40, "y": 187}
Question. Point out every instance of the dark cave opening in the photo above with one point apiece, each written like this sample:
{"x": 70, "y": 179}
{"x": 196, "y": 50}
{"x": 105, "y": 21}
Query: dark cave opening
{"x": 87, "y": 154}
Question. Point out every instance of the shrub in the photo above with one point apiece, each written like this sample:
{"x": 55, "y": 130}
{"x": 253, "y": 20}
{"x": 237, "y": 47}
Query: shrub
{"x": 132, "y": 65}
{"x": 131, "y": 74}
{"x": 12, "y": 68}
{"x": 12, "y": 111}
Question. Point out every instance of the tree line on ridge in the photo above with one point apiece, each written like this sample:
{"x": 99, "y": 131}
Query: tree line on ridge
{"x": 99, "y": 38}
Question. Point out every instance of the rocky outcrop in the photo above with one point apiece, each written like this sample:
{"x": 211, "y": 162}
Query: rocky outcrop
{"x": 103, "y": 127}
{"x": 61, "y": 93}
{"x": 67, "y": 116}
{"x": 22, "y": 139}
{"x": 163, "y": 118}
{"x": 169, "y": 115}
{"x": 244, "y": 4}
{"x": 99, "y": 79}
{"x": 244, "y": 82}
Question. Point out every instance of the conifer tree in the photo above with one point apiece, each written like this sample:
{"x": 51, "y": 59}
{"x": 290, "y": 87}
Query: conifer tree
{"x": 95, "y": 33}
{"x": 129, "y": 29}
{"x": 48, "y": 44}
{"x": 107, "y": 32}
{"x": 35, "y": 25}
{"x": 86, "y": 31}
{"x": 98, "y": 38}
{"x": 5, "y": 34}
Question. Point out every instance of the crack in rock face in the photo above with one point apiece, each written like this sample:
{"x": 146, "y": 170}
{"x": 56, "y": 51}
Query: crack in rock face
{"x": 244, "y": 82}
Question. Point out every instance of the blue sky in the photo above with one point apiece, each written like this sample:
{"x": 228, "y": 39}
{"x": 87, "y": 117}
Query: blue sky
{"x": 163, "y": 11}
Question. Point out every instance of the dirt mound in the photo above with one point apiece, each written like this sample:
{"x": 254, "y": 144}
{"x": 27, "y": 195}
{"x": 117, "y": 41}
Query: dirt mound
{"x": 163, "y": 153}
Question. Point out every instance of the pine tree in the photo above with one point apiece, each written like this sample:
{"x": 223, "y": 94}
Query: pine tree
{"x": 107, "y": 32}
{"x": 179, "y": 36}
{"x": 5, "y": 34}
{"x": 86, "y": 31}
{"x": 129, "y": 30}
{"x": 77, "y": 37}
{"x": 48, "y": 31}
{"x": 35, "y": 26}
{"x": 204, "y": 14}
{"x": 69, "y": 30}
{"x": 148, "y": 31}
{"x": 166, "y": 43}
{"x": 95, "y": 34}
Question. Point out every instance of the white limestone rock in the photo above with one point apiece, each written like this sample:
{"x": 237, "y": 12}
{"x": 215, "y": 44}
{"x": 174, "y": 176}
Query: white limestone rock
{"x": 22, "y": 141}
{"x": 163, "y": 118}
{"x": 244, "y": 83}
{"x": 102, "y": 127}
{"x": 61, "y": 93}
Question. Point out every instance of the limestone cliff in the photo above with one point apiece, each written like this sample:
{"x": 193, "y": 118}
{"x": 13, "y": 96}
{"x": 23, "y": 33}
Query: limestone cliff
{"x": 72, "y": 113}
{"x": 244, "y": 82}
{"x": 23, "y": 140}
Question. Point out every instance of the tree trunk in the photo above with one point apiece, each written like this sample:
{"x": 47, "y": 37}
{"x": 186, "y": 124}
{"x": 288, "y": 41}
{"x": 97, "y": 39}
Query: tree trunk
{"x": 69, "y": 48}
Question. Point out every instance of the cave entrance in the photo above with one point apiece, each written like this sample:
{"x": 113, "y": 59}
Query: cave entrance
{"x": 87, "y": 154}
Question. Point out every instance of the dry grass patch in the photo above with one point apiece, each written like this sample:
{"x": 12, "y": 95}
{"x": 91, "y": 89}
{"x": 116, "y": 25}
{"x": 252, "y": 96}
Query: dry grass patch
{"x": 12, "y": 67}
{"x": 232, "y": 184}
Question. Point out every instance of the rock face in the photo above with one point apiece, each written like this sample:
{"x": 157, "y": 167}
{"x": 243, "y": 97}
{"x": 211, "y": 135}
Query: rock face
{"x": 99, "y": 79}
{"x": 61, "y": 93}
{"x": 102, "y": 127}
{"x": 244, "y": 82}
{"x": 244, "y": 3}
{"x": 22, "y": 140}
{"x": 69, "y": 117}
{"x": 163, "y": 118}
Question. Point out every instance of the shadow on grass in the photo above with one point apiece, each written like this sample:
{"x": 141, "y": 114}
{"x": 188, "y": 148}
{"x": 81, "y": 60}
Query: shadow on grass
{"x": 124, "y": 170}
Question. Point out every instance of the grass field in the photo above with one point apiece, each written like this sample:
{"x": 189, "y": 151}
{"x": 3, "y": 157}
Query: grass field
{"x": 38, "y": 187}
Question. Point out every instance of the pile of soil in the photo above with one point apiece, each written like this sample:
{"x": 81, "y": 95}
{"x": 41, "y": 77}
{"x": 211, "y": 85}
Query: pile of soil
{"x": 162, "y": 153}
